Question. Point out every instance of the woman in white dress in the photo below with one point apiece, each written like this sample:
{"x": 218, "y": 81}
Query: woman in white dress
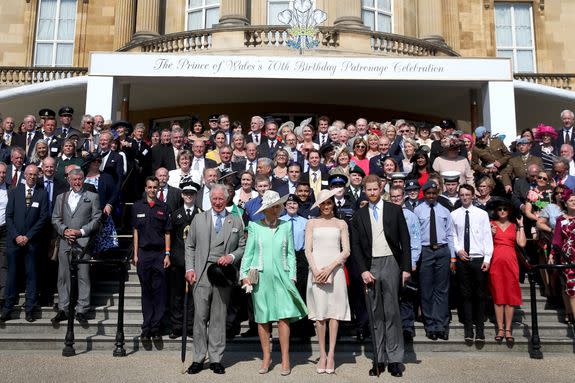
{"x": 326, "y": 249}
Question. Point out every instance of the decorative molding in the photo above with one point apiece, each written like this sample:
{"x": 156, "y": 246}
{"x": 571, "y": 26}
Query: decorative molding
{"x": 542, "y": 5}
{"x": 487, "y": 4}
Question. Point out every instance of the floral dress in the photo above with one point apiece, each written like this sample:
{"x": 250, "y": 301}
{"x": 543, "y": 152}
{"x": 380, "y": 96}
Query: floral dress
{"x": 564, "y": 240}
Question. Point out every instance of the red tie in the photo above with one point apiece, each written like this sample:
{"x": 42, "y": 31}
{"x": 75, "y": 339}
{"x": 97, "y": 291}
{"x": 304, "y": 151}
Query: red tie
{"x": 162, "y": 195}
{"x": 15, "y": 178}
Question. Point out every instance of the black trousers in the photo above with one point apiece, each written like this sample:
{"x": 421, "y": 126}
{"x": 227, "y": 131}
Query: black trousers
{"x": 303, "y": 328}
{"x": 175, "y": 278}
{"x": 151, "y": 273}
{"x": 472, "y": 285}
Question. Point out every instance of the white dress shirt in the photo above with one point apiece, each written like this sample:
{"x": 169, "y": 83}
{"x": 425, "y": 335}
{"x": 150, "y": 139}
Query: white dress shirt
{"x": 3, "y": 203}
{"x": 73, "y": 199}
{"x": 480, "y": 237}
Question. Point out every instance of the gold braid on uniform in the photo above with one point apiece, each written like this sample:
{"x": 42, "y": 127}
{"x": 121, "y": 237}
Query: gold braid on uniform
{"x": 186, "y": 231}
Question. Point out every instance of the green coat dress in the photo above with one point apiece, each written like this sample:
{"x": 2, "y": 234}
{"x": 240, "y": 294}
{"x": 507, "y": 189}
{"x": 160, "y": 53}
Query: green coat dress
{"x": 271, "y": 252}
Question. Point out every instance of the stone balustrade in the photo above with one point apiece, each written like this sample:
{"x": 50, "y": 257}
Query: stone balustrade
{"x": 14, "y": 76}
{"x": 556, "y": 80}
{"x": 399, "y": 45}
{"x": 277, "y": 35}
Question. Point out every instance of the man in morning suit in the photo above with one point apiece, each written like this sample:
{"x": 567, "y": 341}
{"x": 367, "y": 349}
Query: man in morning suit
{"x": 26, "y": 213}
{"x": 215, "y": 239}
{"x": 75, "y": 222}
{"x": 381, "y": 248}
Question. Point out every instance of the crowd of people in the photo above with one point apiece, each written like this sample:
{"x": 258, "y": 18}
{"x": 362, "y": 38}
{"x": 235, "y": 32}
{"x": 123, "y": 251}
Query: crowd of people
{"x": 373, "y": 224}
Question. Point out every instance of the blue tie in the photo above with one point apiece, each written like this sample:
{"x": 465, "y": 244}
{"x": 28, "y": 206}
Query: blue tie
{"x": 375, "y": 215}
{"x": 49, "y": 190}
{"x": 218, "y": 223}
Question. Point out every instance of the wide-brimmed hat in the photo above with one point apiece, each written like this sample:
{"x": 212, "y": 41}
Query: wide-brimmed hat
{"x": 126, "y": 124}
{"x": 323, "y": 196}
{"x": 222, "y": 276}
{"x": 288, "y": 124}
{"x": 495, "y": 202}
{"x": 543, "y": 130}
{"x": 91, "y": 157}
{"x": 270, "y": 199}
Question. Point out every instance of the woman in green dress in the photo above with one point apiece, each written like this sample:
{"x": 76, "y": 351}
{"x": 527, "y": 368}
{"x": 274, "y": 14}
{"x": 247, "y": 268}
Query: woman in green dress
{"x": 270, "y": 256}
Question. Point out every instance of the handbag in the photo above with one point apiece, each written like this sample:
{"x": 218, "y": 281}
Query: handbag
{"x": 54, "y": 248}
{"x": 253, "y": 276}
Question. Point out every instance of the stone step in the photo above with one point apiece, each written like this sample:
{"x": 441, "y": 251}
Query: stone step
{"x": 83, "y": 343}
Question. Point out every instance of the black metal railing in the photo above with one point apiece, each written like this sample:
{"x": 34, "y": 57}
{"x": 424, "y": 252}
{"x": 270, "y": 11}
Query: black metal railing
{"x": 77, "y": 255}
{"x": 535, "y": 342}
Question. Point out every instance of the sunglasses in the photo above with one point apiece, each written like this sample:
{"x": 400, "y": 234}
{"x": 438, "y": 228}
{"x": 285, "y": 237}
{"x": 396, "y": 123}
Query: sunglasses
{"x": 502, "y": 209}
{"x": 360, "y": 146}
{"x": 542, "y": 178}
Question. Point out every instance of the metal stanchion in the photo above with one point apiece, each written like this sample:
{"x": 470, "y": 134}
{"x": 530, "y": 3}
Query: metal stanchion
{"x": 535, "y": 352}
{"x": 119, "y": 351}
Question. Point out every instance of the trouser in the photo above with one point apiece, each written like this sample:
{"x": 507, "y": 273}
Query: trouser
{"x": 304, "y": 327}
{"x": 472, "y": 284}
{"x": 3, "y": 261}
{"x": 64, "y": 283}
{"x": 385, "y": 308}
{"x": 176, "y": 282}
{"x": 434, "y": 282}
{"x": 356, "y": 295}
{"x": 151, "y": 273}
{"x": 408, "y": 305}
{"x": 210, "y": 305}
{"x": 47, "y": 279}
{"x": 13, "y": 254}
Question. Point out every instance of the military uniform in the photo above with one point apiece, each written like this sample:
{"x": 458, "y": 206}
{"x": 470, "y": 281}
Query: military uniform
{"x": 152, "y": 221}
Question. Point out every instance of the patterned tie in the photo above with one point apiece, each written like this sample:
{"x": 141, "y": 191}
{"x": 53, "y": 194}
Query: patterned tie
{"x": 567, "y": 137}
{"x": 196, "y": 164}
{"x": 219, "y": 222}
{"x": 48, "y": 187}
{"x": 28, "y": 197}
{"x": 314, "y": 177}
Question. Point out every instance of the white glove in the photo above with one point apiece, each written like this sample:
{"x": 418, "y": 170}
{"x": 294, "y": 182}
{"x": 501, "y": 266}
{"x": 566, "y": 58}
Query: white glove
{"x": 248, "y": 288}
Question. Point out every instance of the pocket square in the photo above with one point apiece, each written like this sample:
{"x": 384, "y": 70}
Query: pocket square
{"x": 87, "y": 200}
{"x": 235, "y": 230}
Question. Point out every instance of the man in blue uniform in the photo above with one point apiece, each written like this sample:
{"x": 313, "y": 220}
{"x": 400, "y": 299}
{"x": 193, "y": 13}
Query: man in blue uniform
{"x": 152, "y": 256}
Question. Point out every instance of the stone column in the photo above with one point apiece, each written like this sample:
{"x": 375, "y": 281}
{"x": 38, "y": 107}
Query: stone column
{"x": 451, "y": 24}
{"x": 147, "y": 20}
{"x": 348, "y": 15}
{"x": 233, "y": 13}
{"x": 429, "y": 20}
{"x": 124, "y": 22}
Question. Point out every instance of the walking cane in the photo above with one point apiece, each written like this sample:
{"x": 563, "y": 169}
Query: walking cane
{"x": 372, "y": 328}
{"x": 185, "y": 329}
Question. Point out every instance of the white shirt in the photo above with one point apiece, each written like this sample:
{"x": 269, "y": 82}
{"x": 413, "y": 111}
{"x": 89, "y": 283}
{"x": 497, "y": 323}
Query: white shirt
{"x": 206, "y": 203}
{"x": 104, "y": 160}
{"x": 223, "y": 214}
{"x": 570, "y": 131}
{"x": 3, "y": 203}
{"x": 256, "y": 138}
{"x": 480, "y": 237}
{"x": 572, "y": 168}
{"x": 176, "y": 152}
{"x": 73, "y": 199}
{"x": 165, "y": 189}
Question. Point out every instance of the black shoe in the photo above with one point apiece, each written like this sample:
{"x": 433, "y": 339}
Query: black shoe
{"x": 81, "y": 318}
{"x": 217, "y": 368}
{"x": 250, "y": 333}
{"x": 29, "y": 317}
{"x": 468, "y": 334}
{"x": 175, "y": 334}
{"x": 61, "y": 316}
{"x": 432, "y": 335}
{"x": 145, "y": 336}
{"x": 156, "y": 337}
{"x": 395, "y": 369}
{"x": 373, "y": 371}
{"x": 443, "y": 335}
{"x": 6, "y": 315}
{"x": 479, "y": 336}
{"x": 195, "y": 368}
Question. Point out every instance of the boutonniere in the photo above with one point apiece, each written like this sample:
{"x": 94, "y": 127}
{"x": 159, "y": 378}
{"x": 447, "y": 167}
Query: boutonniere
{"x": 229, "y": 220}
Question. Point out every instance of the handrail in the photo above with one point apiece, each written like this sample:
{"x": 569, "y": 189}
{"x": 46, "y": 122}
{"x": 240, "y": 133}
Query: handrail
{"x": 21, "y": 75}
{"x": 122, "y": 264}
{"x": 556, "y": 80}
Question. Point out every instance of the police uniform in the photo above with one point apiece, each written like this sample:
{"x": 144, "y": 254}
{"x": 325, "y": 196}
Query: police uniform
{"x": 152, "y": 221}
{"x": 181, "y": 219}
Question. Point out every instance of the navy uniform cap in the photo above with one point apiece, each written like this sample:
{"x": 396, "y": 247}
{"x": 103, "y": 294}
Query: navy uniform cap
{"x": 213, "y": 117}
{"x": 293, "y": 198}
{"x": 430, "y": 185}
{"x": 337, "y": 179}
{"x": 412, "y": 185}
{"x": 45, "y": 113}
{"x": 65, "y": 111}
{"x": 188, "y": 186}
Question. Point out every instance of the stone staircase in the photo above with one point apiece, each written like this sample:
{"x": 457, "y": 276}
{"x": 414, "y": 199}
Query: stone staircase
{"x": 99, "y": 334}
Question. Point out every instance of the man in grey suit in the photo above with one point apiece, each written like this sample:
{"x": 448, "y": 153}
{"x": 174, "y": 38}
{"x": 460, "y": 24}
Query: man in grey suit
{"x": 76, "y": 218}
{"x": 214, "y": 237}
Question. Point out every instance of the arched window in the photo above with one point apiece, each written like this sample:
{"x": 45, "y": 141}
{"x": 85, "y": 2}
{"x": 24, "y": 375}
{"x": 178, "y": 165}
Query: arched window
{"x": 377, "y": 14}
{"x": 202, "y": 14}
{"x": 55, "y": 33}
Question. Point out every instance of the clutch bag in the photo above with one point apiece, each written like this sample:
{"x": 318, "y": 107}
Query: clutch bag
{"x": 253, "y": 276}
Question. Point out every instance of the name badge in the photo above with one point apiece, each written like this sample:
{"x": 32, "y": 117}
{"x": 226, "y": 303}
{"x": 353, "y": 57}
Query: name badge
{"x": 54, "y": 150}
{"x": 141, "y": 215}
{"x": 35, "y": 204}
{"x": 145, "y": 152}
{"x": 324, "y": 182}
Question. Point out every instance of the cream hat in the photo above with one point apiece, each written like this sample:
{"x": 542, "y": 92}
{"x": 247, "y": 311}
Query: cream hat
{"x": 270, "y": 199}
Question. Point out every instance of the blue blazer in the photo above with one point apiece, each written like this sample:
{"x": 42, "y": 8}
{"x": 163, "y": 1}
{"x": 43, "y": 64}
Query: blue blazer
{"x": 570, "y": 182}
{"x": 108, "y": 190}
{"x": 21, "y": 220}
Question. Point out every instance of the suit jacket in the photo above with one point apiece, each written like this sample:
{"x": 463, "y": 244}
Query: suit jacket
{"x": 199, "y": 240}
{"x": 396, "y": 234}
{"x": 280, "y": 186}
{"x": 561, "y": 139}
{"x": 57, "y": 188}
{"x": 174, "y": 199}
{"x": 483, "y": 155}
{"x": 71, "y": 131}
{"x": 264, "y": 149}
{"x": 9, "y": 175}
{"x": 115, "y": 166}
{"x": 86, "y": 217}
{"x": 180, "y": 220}
{"x": 22, "y": 220}
{"x": 5, "y": 152}
{"x": 157, "y": 154}
{"x": 316, "y": 139}
{"x": 249, "y": 137}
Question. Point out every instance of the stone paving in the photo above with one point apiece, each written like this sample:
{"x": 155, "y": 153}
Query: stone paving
{"x": 97, "y": 366}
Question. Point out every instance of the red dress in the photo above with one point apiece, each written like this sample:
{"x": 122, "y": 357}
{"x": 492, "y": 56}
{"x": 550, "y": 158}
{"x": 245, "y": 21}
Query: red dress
{"x": 504, "y": 269}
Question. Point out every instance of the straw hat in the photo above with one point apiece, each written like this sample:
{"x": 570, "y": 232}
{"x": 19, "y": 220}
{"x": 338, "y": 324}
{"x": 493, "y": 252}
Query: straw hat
{"x": 323, "y": 196}
{"x": 270, "y": 199}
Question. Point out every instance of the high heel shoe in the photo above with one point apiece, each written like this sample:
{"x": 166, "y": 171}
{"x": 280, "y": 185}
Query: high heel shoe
{"x": 319, "y": 369}
{"x": 332, "y": 364}
{"x": 500, "y": 335}
{"x": 510, "y": 340}
{"x": 266, "y": 369}
{"x": 285, "y": 372}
